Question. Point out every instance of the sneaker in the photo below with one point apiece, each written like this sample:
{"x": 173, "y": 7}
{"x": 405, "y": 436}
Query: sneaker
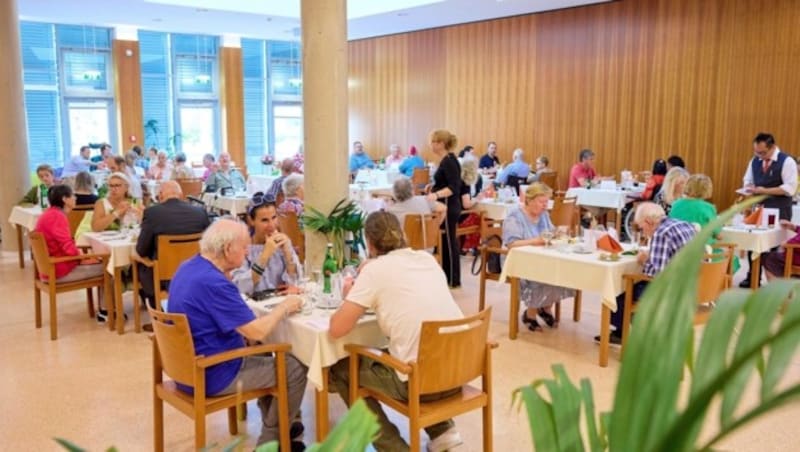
{"x": 102, "y": 316}
{"x": 447, "y": 440}
{"x": 296, "y": 430}
{"x": 613, "y": 339}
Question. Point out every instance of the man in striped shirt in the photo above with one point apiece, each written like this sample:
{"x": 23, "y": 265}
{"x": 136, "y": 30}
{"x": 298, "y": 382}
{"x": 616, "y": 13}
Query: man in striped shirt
{"x": 667, "y": 237}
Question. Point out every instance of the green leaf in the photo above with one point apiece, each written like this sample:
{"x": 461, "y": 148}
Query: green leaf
{"x": 567, "y": 412}
{"x": 760, "y": 311}
{"x": 70, "y": 446}
{"x": 540, "y": 417}
{"x": 596, "y": 440}
{"x": 783, "y": 348}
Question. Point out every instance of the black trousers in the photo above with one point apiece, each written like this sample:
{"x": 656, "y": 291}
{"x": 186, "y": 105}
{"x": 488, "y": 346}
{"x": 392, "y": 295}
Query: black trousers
{"x": 451, "y": 257}
{"x": 616, "y": 317}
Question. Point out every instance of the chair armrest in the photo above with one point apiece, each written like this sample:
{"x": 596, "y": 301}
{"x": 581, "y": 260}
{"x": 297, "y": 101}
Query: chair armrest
{"x": 80, "y": 257}
{"x": 791, "y": 245}
{"x": 377, "y": 355}
{"x": 208, "y": 361}
{"x": 491, "y": 249}
{"x": 636, "y": 277}
{"x": 142, "y": 260}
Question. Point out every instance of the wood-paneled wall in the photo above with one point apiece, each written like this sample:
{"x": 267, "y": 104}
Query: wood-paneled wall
{"x": 128, "y": 89}
{"x": 634, "y": 80}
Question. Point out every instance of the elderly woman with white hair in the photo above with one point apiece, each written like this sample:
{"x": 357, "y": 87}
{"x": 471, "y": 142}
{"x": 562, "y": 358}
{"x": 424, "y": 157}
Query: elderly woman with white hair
{"x": 118, "y": 208}
{"x": 162, "y": 169}
{"x": 294, "y": 194}
{"x": 405, "y": 202}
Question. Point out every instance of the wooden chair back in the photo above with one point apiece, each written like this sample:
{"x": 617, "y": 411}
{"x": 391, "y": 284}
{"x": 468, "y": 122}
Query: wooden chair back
{"x": 173, "y": 250}
{"x": 289, "y": 224}
{"x": 41, "y": 257}
{"x": 191, "y": 186}
{"x": 713, "y": 276}
{"x": 452, "y": 352}
{"x": 422, "y": 232}
{"x": 75, "y": 216}
{"x": 789, "y": 269}
{"x": 550, "y": 179}
{"x": 420, "y": 178}
{"x": 175, "y": 345}
{"x": 565, "y": 211}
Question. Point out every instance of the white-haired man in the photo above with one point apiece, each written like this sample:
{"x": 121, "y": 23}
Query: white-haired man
{"x": 517, "y": 168}
{"x": 667, "y": 236}
{"x": 225, "y": 177}
{"x": 221, "y": 321}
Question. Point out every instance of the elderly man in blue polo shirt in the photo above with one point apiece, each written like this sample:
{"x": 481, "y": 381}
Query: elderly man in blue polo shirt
{"x": 517, "y": 168}
{"x": 221, "y": 321}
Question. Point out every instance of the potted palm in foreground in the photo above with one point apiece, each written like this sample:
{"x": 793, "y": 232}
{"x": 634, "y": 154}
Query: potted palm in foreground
{"x": 748, "y": 333}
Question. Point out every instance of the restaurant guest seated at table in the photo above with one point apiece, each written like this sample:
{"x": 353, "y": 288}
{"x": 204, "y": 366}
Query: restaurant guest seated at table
{"x": 210, "y": 166}
{"x": 161, "y": 170}
{"x": 359, "y": 159}
{"x": 775, "y": 260}
{"x": 405, "y": 202}
{"x": 118, "y": 208}
{"x": 225, "y": 177}
{"x": 84, "y": 189}
{"x": 276, "y": 189}
{"x": 171, "y": 216}
{"x": 411, "y": 162}
{"x": 181, "y": 170}
{"x": 517, "y": 168}
{"x": 294, "y": 193}
{"x": 270, "y": 261}
{"x": 78, "y": 163}
{"x": 46, "y": 177}
{"x": 405, "y": 288}
{"x": 220, "y": 321}
{"x": 524, "y": 227}
{"x": 54, "y": 226}
{"x": 471, "y": 193}
{"x": 667, "y": 236}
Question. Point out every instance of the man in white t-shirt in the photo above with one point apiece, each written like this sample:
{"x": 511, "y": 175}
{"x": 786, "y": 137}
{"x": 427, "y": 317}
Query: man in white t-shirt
{"x": 405, "y": 288}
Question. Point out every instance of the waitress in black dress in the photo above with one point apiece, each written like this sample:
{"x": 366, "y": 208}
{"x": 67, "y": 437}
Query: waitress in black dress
{"x": 447, "y": 190}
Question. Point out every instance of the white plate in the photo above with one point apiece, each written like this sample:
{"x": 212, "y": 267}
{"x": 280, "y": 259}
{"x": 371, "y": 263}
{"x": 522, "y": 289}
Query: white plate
{"x": 578, "y": 250}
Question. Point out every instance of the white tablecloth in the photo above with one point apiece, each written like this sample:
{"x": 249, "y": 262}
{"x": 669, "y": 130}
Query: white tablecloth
{"x": 118, "y": 244}
{"x": 598, "y": 197}
{"x": 370, "y": 190}
{"x": 567, "y": 269}
{"x": 497, "y": 210}
{"x": 260, "y": 182}
{"x": 236, "y": 205}
{"x": 311, "y": 344}
{"x": 25, "y": 216}
{"x": 372, "y": 177}
{"x": 757, "y": 240}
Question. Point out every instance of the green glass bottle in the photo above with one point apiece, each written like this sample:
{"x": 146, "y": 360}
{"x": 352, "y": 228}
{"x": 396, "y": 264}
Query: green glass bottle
{"x": 329, "y": 267}
{"x": 43, "y": 201}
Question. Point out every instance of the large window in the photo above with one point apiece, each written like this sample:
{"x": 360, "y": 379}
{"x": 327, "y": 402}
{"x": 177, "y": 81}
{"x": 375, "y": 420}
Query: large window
{"x": 272, "y": 99}
{"x": 69, "y": 94}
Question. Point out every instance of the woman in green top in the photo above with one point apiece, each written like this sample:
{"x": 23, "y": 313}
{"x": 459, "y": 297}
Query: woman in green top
{"x": 693, "y": 207}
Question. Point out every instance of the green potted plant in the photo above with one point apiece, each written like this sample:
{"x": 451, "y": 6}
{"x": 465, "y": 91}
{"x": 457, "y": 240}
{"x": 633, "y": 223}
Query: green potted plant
{"x": 748, "y": 333}
{"x": 345, "y": 219}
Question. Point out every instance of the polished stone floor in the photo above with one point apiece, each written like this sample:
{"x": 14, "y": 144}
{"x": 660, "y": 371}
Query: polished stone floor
{"x": 93, "y": 387}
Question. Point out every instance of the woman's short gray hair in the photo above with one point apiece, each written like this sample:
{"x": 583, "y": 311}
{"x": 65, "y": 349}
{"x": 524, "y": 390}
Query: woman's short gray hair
{"x": 220, "y": 235}
{"x": 402, "y": 189}
{"x": 469, "y": 171}
{"x": 291, "y": 184}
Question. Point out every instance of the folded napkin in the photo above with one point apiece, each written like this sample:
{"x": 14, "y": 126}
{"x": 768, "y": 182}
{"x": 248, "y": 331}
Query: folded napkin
{"x": 755, "y": 217}
{"x": 609, "y": 244}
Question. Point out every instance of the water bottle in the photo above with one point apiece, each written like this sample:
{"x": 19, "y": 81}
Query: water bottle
{"x": 329, "y": 267}
{"x": 43, "y": 201}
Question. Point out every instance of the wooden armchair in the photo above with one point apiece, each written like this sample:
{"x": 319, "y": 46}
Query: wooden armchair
{"x": 174, "y": 355}
{"x": 45, "y": 265}
{"x": 191, "y": 187}
{"x": 173, "y": 250}
{"x": 75, "y": 216}
{"x": 422, "y": 233}
{"x": 420, "y": 178}
{"x": 550, "y": 179}
{"x": 452, "y": 353}
{"x": 714, "y": 277}
{"x": 789, "y": 269}
{"x": 289, "y": 224}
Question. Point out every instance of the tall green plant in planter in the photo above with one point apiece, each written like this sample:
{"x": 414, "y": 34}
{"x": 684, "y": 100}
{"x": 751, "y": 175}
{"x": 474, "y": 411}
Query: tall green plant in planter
{"x": 346, "y": 217}
{"x": 747, "y": 332}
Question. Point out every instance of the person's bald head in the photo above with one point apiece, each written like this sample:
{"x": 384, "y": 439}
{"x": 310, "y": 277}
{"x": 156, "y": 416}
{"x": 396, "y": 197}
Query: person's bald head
{"x": 170, "y": 190}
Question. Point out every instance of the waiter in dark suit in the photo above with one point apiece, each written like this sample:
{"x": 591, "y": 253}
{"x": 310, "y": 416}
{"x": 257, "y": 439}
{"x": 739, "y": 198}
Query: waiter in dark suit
{"x": 771, "y": 173}
{"x": 171, "y": 216}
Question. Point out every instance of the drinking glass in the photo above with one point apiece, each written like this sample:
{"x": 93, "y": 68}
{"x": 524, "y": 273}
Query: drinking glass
{"x": 547, "y": 235}
{"x": 562, "y": 232}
